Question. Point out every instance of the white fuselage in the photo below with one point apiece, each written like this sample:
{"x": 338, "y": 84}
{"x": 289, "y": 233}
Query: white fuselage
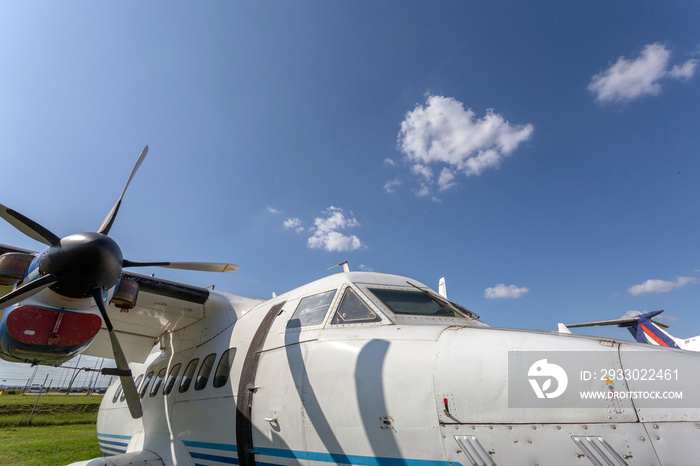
{"x": 414, "y": 390}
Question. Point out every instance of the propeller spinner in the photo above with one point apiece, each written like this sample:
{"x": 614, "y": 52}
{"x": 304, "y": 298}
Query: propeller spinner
{"x": 84, "y": 265}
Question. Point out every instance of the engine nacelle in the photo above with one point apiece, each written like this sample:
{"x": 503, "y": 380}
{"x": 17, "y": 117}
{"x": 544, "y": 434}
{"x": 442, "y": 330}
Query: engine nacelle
{"x": 39, "y": 335}
{"x": 13, "y": 266}
{"x": 126, "y": 294}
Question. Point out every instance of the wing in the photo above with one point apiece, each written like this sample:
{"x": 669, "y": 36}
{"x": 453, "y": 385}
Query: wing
{"x": 162, "y": 306}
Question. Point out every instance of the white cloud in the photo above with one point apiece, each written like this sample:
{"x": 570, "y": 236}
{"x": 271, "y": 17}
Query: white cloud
{"x": 660, "y": 286}
{"x": 272, "y": 210}
{"x": 293, "y": 224}
{"x": 446, "y": 179}
{"x": 445, "y": 134}
{"x": 666, "y": 319}
{"x": 629, "y": 79}
{"x": 659, "y": 318}
{"x": 503, "y": 291}
{"x": 390, "y": 186}
{"x": 326, "y": 235}
{"x": 684, "y": 71}
{"x": 422, "y": 170}
{"x": 630, "y": 314}
{"x": 424, "y": 190}
{"x": 390, "y": 162}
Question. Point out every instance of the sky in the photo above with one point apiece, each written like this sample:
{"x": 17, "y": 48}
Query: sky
{"x": 541, "y": 156}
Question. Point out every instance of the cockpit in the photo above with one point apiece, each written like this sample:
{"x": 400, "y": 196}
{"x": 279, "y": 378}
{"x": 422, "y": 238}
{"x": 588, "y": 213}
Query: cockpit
{"x": 370, "y": 298}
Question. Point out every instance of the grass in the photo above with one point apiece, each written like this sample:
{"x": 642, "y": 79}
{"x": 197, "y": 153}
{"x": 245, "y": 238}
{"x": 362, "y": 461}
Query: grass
{"x": 62, "y": 429}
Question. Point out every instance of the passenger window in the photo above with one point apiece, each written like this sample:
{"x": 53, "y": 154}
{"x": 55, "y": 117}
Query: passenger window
{"x": 311, "y": 310}
{"x": 158, "y": 382}
{"x": 170, "y": 383}
{"x": 116, "y": 394}
{"x": 204, "y": 371}
{"x": 224, "y": 368}
{"x": 353, "y": 310}
{"x": 138, "y": 381}
{"x": 146, "y": 382}
{"x": 187, "y": 375}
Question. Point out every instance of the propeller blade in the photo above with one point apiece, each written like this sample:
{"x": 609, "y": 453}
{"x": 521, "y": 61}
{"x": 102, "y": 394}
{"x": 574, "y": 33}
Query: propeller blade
{"x": 131, "y": 394}
{"x": 199, "y": 266}
{"x": 25, "y": 291}
{"x": 109, "y": 219}
{"x": 29, "y": 227}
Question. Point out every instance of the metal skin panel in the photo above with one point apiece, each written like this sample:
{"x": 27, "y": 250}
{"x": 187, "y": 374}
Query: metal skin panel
{"x": 277, "y": 408}
{"x": 551, "y": 444}
{"x": 476, "y": 386}
{"x": 672, "y": 442}
{"x": 370, "y": 397}
{"x": 652, "y": 410}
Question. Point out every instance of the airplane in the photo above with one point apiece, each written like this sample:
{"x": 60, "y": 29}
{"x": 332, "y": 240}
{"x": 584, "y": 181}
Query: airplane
{"x": 644, "y": 330}
{"x": 359, "y": 368}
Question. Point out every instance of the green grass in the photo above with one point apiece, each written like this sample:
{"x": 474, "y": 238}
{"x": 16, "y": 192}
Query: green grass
{"x": 62, "y": 429}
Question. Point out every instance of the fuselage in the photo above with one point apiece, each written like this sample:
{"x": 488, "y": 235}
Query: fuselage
{"x": 355, "y": 369}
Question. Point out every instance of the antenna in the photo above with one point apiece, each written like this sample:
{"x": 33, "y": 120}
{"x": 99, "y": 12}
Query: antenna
{"x": 346, "y": 267}
{"x": 442, "y": 288}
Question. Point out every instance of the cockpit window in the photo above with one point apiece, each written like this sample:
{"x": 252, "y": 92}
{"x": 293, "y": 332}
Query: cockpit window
{"x": 311, "y": 310}
{"x": 353, "y": 310}
{"x": 415, "y": 303}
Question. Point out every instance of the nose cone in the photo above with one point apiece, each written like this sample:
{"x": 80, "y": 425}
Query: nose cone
{"x": 82, "y": 262}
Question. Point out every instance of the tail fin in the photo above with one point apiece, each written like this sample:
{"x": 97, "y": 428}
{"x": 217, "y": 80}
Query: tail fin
{"x": 644, "y": 330}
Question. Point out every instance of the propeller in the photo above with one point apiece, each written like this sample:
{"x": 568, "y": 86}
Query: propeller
{"x": 112, "y": 215}
{"x": 131, "y": 394}
{"x": 25, "y": 291}
{"x": 84, "y": 265}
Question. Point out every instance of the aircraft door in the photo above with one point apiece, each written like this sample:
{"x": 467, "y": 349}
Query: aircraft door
{"x": 277, "y": 411}
{"x": 278, "y": 430}
{"x": 268, "y": 424}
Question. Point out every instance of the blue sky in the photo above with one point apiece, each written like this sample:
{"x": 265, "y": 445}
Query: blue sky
{"x": 542, "y": 156}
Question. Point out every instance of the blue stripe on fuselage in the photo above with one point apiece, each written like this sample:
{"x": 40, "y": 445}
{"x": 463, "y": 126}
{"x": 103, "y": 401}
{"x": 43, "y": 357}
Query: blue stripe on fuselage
{"x": 305, "y": 455}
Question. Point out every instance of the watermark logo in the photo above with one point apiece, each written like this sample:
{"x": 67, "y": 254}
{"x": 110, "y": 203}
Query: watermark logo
{"x": 544, "y": 372}
{"x": 623, "y": 378}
